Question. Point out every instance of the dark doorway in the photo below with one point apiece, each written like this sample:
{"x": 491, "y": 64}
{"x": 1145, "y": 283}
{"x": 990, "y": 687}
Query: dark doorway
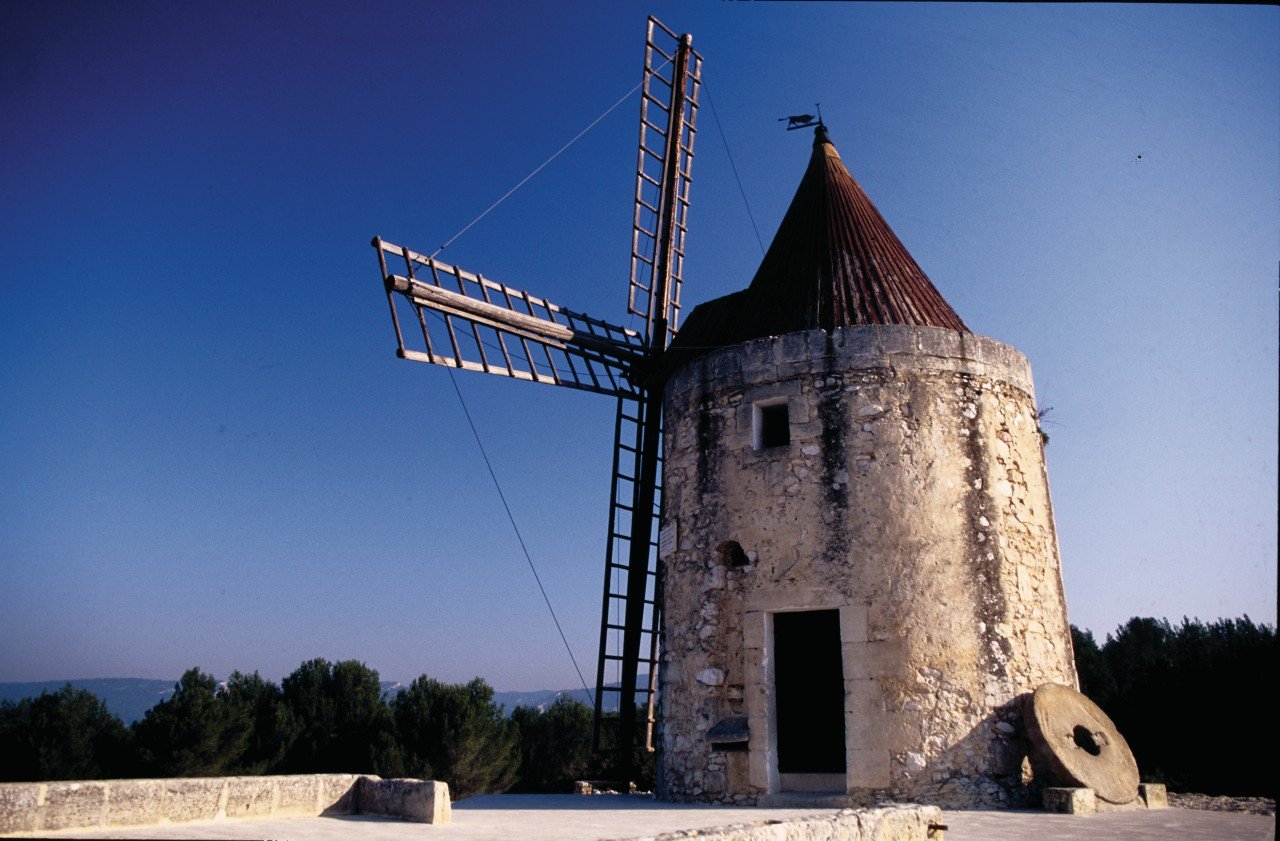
{"x": 809, "y": 687}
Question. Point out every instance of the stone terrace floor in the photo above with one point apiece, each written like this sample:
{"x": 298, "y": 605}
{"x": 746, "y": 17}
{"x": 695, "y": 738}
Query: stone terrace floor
{"x": 536, "y": 817}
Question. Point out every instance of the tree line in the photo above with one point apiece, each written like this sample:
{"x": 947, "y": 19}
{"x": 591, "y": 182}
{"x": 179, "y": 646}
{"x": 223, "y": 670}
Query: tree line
{"x": 323, "y": 718}
{"x": 1190, "y": 699}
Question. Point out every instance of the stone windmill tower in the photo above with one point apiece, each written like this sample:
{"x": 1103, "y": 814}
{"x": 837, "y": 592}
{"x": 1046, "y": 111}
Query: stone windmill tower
{"x": 858, "y": 552}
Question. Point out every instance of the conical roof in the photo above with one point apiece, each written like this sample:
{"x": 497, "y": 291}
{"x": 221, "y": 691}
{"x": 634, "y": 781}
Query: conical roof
{"x": 834, "y": 262}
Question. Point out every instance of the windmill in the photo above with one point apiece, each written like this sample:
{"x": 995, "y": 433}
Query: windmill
{"x": 474, "y": 323}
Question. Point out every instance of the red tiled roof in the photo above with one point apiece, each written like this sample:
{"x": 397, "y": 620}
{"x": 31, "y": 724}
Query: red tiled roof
{"x": 834, "y": 262}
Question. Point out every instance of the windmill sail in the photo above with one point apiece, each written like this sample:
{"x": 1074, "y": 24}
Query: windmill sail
{"x": 632, "y": 610}
{"x": 658, "y": 183}
{"x": 629, "y": 608}
{"x": 471, "y": 322}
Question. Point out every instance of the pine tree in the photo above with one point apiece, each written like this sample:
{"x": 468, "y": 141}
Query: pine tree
{"x": 455, "y": 733}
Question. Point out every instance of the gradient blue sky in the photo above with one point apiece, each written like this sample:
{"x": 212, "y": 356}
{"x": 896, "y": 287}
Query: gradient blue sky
{"x": 210, "y": 455}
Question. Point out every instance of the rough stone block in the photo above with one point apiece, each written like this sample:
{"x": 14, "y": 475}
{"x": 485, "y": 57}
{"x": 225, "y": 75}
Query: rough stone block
{"x": 793, "y": 347}
{"x": 867, "y": 768}
{"x": 939, "y": 342}
{"x": 249, "y": 796}
{"x": 338, "y": 794}
{"x": 296, "y": 794}
{"x": 758, "y": 769}
{"x": 722, "y": 366}
{"x": 1071, "y": 801}
{"x": 864, "y": 660}
{"x": 196, "y": 799}
{"x": 19, "y": 804}
{"x": 808, "y": 431}
{"x": 420, "y": 801}
{"x": 906, "y": 822}
{"x": 867, "y": 730}
{"x": 862, "y": 696}
{"x": 897, "y": 339}
{"x": 853, "y": 623}
{"x": 757, "y": 700}
{"x": 72, "y": 805}
{"x": 736, "y": 771}
{"x": 853, "y": 341}
{"x": 795, "y": 369}
{"x": 134, "y": 802}
{"x": 753, "y": 630}
{"x": 1154, "y": 795}
{"x": 758, "y": 732}
{"x": 798, "y": 410}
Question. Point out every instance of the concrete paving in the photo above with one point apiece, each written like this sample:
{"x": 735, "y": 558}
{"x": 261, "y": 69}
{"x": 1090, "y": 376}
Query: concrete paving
{"x": 1153, "y": 825}
{"x": 533, "y": 817}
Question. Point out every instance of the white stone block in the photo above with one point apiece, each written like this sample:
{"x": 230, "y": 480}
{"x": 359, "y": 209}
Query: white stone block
{"x": 867, "y": 768}
{"x": 853, "y": 621}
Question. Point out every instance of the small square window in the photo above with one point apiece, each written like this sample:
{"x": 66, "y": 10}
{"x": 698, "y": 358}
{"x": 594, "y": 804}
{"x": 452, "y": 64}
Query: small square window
{"x": 772, "y": 425}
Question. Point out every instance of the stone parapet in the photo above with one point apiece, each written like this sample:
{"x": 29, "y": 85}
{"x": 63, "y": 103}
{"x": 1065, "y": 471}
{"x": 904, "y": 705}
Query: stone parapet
{"x": 419, "y": 801}
{"x": 41, "y": 807}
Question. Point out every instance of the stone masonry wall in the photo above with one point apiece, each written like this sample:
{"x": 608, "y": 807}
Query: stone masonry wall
{"x": 912, "y": 498}
{"x": 100, "y": 804}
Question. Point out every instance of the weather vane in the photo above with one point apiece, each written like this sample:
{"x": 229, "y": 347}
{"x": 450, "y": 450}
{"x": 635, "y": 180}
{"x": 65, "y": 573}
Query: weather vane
{"x": 796, "y": 121}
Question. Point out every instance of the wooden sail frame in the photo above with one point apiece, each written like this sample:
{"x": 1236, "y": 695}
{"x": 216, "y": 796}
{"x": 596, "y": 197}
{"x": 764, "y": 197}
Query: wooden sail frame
{"x": 497, "y": 329}
{"x": 667, "y": 58}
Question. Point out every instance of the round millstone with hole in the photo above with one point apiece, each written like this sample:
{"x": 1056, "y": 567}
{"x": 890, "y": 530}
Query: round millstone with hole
{"x": 1074, "y": 743}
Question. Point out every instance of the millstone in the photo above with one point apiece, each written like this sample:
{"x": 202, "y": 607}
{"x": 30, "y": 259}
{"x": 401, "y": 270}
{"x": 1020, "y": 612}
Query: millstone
{"x": 1075, "y": 744}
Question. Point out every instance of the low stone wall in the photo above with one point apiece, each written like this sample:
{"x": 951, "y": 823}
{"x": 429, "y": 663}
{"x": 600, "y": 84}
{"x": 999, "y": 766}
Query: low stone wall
{"x": 421, "y": 801}
{"x": 42, "y": 807}
{"x": 907, "y": 822}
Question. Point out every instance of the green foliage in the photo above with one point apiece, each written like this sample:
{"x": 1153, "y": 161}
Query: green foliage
{"x": 1095, "y": 678}
{"x": 257, "y": 708}
{"x": 555, "y": 749}
{"x": 455, "y": 733}
{"x": 64, "y": 735}
{"x": 555, "y": 746}
{"x": 644, "y": 763}
{"x": 341, "y": 721}
{"x": 190, "y": 734}
{"x": 1170, "y": 691}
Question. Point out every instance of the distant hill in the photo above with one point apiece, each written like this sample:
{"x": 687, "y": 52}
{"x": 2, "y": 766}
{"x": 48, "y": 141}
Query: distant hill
{"x": 540, "y": 698}
{"x": 127, "y": 697}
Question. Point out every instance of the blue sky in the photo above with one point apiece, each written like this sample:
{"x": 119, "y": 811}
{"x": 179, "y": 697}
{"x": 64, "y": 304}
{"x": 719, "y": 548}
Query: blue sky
{"x": 212, "y": 457}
